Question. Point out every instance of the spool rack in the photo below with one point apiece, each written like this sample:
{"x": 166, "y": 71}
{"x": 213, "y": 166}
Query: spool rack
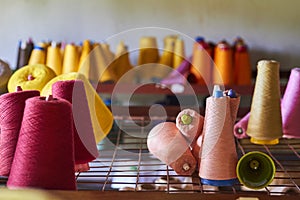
{"x": 125, "y": 164}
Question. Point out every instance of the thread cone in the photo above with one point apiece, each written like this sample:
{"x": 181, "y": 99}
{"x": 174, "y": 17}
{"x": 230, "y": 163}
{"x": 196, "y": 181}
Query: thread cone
{"x": 44, "y": 156}
{"x": 218, "y": 154}
{"x": 290, "y": 106}
{"x": 265, "y": 122}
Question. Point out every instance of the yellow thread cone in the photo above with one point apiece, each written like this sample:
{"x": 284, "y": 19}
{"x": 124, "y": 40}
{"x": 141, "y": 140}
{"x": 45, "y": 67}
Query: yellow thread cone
{"x": 38, "y": 56}
{"x": 71, "y": 59}
{"x": 149, "y": 57}
{"x": 265, "y": 123}
{"x": 101, "y": 116}
{"x": 168, "y": 51}
{"x": 179, "y": 52}
{"x": 148, "y": 51}
{"x": 54, "y": 59}
{"x": 223, "y": 69}
{"x": 122, "y": 62}
{"x": 86, "y": 48}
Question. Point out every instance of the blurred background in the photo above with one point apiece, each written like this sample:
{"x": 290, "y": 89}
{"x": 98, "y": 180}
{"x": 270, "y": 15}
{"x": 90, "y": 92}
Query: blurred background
{"x": 270, "y": 27}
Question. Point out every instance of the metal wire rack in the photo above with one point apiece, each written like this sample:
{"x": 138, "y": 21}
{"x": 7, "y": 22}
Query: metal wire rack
{"x": 125, "y": 164}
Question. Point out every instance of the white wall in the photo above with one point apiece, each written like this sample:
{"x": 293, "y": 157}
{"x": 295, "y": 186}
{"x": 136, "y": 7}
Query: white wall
{"x": 270, "y": 27}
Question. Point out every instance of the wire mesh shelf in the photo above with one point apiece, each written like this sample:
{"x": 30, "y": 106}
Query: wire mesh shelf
{"x": 125, "y": 164}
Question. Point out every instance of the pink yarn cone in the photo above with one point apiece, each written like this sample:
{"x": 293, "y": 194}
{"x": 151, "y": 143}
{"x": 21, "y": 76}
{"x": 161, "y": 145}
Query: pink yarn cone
{"x": 44, "y": 156}
{"x": 240, "y": 128}
{"x": 85, "y": 144}
{"x": 218, "y": 151}
{"x": 11, "y": 115}
{"x": 179, "y": 75}
{"x": 290, "y": 106}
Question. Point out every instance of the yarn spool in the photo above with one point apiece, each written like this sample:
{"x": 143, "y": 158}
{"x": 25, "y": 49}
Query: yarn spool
{"x": 44, "y": 156}
{"x": 71, "y": 59}
{"x": 223, "y": 68}
{"x": 179, "y": 75}
{"x": 265, "y": 122}
{"x": 168, "y": 51}
{"x": 148, "y": 55}
{"x": 167, "y": 143}
{"x": 38, "y": 56}
{"x": 218, "y": 153}
{"x": 54, "y": 58}
{"x": 242, "y": 65}
{"x": 190, "y": 124}
{"x": 179, "y": 52}
{"x": 97, "y": 65}
{"x": 86, "y": 49}
{"x": 5, "y": 74}
{"x": 11, "y": 115}
{"x": 202, "y": 63}
{"x": 148, "y": 50}
{"x": 85, "y": 146}
{"x": 101, "y": 116}
{"x": 240, "y": 128}
{"x": 122, "y": 62}
{"x": 290, "y": 106}
{"x": 23, "y": 54}
{"x": 256, "y": 170}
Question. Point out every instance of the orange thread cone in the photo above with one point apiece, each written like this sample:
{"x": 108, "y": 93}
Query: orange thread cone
{"x": 223, "y": 69}
{"x": 202, "y": 63}
{"x": 242, "y": 65}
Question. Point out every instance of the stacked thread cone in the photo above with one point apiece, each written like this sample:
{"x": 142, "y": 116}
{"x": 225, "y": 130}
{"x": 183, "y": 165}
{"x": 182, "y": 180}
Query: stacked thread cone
{"x": 265, "y": 122}
{"x": 44, "y": 156}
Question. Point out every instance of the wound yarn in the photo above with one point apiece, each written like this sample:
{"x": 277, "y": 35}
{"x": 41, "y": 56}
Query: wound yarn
{"x": 44, "y": 156}
{"x": 265, "y": 122}
{"x": 218, "y": 150}
{"x": 290, "y": 106}
{"x": 85, "y": 145}
{"x": 11, "y": 115}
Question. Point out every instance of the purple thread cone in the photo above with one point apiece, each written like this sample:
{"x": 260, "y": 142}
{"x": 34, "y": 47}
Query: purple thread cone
{"x": 290, "y": 106}
{"x": 178, "y": 75}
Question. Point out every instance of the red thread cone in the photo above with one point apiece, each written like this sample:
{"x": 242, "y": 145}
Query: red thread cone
{"x": 11, "y": 114}
{"x": 44, "y": 157}
{"x": 85, "y": 144}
